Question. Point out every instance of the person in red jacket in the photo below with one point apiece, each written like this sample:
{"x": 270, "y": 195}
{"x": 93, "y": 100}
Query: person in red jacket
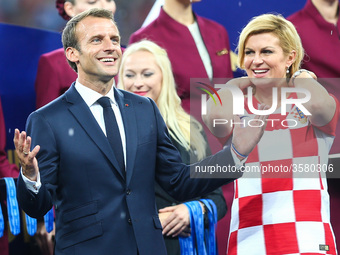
{"x": 197, "y": 47}
{"x": 6, "y": 170}
{"x": 54, "y": 75}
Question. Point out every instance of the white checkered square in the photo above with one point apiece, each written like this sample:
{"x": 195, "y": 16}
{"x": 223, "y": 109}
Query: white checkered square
{"x": 278, "y": 207}
{"x": 275, "y": 145}
{"x": 310, "y": 235}
{"x": 252, "y": 170}
{"x": 234, "y": 224}
{"x": 251, "y": 240}
{"x": 249, "y": 186}
{"x": 325, "y": 205}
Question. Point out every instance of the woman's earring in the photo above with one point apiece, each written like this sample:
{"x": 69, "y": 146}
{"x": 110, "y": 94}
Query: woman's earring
{"x": 288, "y": 69}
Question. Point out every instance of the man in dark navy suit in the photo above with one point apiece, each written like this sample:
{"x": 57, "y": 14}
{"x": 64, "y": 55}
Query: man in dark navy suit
{"x": 103, "y": 190}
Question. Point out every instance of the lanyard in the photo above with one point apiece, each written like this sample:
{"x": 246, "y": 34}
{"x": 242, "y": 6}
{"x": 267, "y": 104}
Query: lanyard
{"x": 195, "y": 243}
{"x": 49, "y": 218}
{"x": 2, "y": 223}
{"x": 12, "y": 206}
{"x": 210, "y": 233}
{"x": 200, "y": 242}
{"x": 31, "y": 225}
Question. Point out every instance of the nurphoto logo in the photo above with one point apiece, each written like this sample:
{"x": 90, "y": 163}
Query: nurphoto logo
{"x": 239, "y": 100}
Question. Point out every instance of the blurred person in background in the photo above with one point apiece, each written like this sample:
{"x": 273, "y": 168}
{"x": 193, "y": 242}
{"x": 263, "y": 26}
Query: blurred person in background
{"x": 197, "y": 47}
{"x": 6, "y": 170}
{"x": 146, "y": 70}
{"x": 318, "y": 25}
{"x": 54, "y": 75}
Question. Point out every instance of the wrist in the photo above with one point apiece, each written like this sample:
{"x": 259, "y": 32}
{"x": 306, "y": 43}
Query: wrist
{"x": 239, "y": 155}
{"x": 298, "y": 73}
{"x": 203, "y": 207}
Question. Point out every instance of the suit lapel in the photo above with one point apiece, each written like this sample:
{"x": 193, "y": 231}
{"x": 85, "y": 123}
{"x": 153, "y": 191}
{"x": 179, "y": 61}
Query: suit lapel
{"x": 129, "y": 119}
{"x": 84, "y": 116}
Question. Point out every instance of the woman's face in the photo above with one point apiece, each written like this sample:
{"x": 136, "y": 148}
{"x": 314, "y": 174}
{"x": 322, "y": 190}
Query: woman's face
{"x": 142, "y": 75}
{"x": 84, "y": 5}
{"x": 264, "y": 57}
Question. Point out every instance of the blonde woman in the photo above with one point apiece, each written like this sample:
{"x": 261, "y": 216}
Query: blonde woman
{"x": 146, "y": 70}
{"x": 276, "y": 208}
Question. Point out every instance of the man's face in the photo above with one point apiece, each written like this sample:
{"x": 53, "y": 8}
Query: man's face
{"x": 100, "y": 53}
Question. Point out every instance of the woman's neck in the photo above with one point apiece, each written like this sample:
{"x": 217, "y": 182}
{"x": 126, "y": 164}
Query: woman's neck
{"x": 329, "y": 9}
{"x": 266, "y": 95}
{"x": 179, "y": 11}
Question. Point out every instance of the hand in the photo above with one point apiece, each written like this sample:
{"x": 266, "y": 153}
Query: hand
{"x": 177, "y": 222}
{"x": 241, "y": 82}
{"x": 26, "y": 157}
{"x": 245, "y": 138}
{"x": 44, "y": 239}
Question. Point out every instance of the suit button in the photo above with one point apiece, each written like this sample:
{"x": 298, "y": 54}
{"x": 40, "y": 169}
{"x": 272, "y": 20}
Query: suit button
{"x": 130, "y": 221}
{"x": 128, "y": 192}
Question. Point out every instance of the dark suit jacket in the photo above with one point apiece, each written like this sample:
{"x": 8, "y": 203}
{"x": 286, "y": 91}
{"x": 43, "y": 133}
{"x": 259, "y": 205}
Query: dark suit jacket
{"x": 98, "y": 211}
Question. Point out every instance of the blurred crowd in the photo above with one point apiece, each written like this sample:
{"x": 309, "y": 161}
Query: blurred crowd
{"x": 42, "y": 14}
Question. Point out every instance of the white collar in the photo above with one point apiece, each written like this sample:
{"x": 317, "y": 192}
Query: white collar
{"x": 90, "y": 96}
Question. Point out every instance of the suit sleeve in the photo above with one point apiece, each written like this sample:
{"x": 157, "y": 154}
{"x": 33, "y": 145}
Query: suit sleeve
{"x": 174, "y": 176}
{"x": 37, "y": 205}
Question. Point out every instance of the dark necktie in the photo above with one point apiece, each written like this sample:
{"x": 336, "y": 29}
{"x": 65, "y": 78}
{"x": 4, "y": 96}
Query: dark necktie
{"x": 112, "y": 131}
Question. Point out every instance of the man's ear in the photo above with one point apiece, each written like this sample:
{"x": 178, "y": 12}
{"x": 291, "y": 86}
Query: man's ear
{"x": 72, "y": 54}
{"x": 68, "y": 7}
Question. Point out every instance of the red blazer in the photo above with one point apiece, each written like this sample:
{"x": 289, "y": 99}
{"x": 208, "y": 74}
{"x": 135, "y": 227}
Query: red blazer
{"x": 320, "y": 39}
{"x": 183, "y": 54}
{"x": 6, "y": 169}
{"x": 54, "y": 77}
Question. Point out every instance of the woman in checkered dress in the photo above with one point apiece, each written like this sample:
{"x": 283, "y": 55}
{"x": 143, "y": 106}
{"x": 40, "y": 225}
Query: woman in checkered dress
{"x": 281, "y": 204}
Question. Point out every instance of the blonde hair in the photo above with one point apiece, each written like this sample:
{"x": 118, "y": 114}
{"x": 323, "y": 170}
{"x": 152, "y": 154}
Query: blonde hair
{"x": 280, "y": 27}
{"x": 168, "y": 102}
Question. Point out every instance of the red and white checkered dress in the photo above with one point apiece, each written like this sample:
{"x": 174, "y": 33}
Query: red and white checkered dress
{"x": 285, "y": 211}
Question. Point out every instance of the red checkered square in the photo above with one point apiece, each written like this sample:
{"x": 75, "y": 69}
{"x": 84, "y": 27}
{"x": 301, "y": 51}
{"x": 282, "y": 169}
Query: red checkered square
{"x": 329, "y": 239}
{"x": 275, "y": 178}
{"x": 304, "y": 142}
{"x": 253, "y": 156}
{"x": 276, "y": 184}
{"x": 235, "y": 189}
{"x": 250, "y": 211}
{"x": 307, "y": 205}
{"x": 232, "y": 244}
{"x": 281, "y": 238}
